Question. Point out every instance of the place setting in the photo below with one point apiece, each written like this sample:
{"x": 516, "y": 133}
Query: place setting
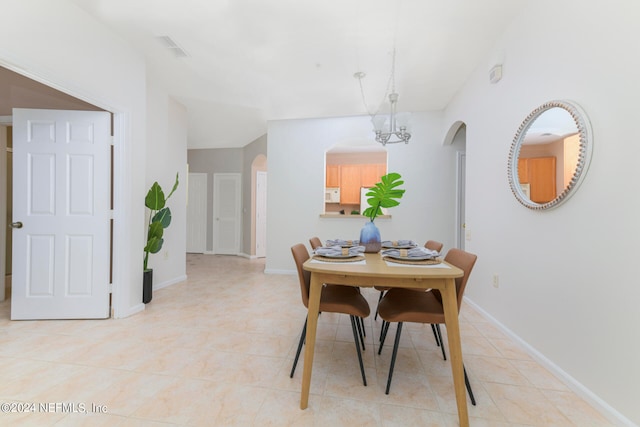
{"x": 399, "y": 244}
{"x": 405, "y": 254}
{"x": 342, "y": 243}
{"x": 340, "y": 251}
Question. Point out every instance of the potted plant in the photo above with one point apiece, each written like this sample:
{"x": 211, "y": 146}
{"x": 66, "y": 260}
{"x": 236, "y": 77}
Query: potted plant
{"x": 384, "y": 194}
{"x": 159, "y": 219}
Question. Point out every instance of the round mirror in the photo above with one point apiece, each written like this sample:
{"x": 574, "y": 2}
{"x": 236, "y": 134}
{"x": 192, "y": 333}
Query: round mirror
{"x": 550, "y": 155}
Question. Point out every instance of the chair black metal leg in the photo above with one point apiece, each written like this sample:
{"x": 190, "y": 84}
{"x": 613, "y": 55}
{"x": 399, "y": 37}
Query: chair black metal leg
{"x": 393, "y": 356}
{"x": 435, "y": 334}
{"x": 466, "y": 382}
{"x": 384, "y": 323}
{"x": 364, "y": 332}
{"x": 355, "y": 338}
{"x": 360, "y": 332}
{"x": 379, "y": 299}
{"x": 303, "y": 337}
{"x": 383, "y": 335}
{"x": 444, "y": 356}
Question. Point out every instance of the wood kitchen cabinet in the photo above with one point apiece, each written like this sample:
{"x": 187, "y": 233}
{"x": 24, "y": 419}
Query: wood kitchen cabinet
{"x": 350, "y": 184}
{"x": 370, "y": 174}
{"x": 353, "y": 177}
{"x": 540, "y": 174}
{"x": 333, "y": 176}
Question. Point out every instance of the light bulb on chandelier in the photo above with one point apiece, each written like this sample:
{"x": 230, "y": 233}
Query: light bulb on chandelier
{"x": 393, "y": 128}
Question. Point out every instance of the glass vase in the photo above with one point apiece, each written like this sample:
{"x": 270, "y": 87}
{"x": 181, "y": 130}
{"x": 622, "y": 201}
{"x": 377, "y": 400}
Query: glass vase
{"x": 370, "y": 238}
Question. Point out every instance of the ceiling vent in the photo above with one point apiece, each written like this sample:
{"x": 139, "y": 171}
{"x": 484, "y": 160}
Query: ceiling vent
{"x": 168, "y": 43}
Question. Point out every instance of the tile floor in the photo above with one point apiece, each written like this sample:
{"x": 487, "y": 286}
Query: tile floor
{"x": 216, "y": 350}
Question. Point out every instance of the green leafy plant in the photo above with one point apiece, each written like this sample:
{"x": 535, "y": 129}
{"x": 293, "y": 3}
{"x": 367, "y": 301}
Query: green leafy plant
{"x": 384, "y": 194}
{"x": 159, "y": 218}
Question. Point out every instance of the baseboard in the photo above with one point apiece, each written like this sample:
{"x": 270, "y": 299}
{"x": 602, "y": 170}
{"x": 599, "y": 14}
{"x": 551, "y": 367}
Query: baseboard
{"x": 605, "y": 409}
{"x": 133, "y": 310}
{"x": 173, "y": 281}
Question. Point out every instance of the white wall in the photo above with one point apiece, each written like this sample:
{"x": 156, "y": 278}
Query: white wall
{"x": 58, "y": 44}
{"x": 166, "y": 156}
{"x": 568, "y": 283}
{"x": 295, "y": 196}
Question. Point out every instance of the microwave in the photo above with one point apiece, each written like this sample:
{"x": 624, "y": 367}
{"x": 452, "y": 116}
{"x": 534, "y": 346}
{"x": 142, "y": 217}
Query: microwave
{"x": 332, "y": 195}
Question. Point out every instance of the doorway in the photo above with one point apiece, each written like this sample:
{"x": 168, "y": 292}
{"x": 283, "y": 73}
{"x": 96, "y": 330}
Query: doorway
{"x": 6, "y": 160}
{"x": 197, "y": 213}
{"x": 27, "y": 93}
{"x": 457, "y": 137}
{"x": 261, "y": 214}
{"x": 461, "y": 165}
{"x": 227, "y": 214}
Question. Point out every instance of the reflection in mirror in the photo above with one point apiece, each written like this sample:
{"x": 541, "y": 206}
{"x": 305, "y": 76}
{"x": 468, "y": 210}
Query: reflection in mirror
{"x": 549, "y": 155}
{"x": 350, "y": 169}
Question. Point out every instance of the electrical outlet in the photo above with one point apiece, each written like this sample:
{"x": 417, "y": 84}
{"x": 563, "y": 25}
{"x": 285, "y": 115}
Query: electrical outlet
{"x": 166, "y": 255}
{"x": 496, "y": 281}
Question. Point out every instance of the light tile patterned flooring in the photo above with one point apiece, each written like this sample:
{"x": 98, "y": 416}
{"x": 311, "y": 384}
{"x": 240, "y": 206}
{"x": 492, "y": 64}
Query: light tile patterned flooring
{"x": 216, "y": 350}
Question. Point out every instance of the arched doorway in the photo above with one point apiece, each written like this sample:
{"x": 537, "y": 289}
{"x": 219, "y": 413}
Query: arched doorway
{"x": 457, "y": 137}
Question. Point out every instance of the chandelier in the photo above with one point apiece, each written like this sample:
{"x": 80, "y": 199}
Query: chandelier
{"x": 393, "y": 128}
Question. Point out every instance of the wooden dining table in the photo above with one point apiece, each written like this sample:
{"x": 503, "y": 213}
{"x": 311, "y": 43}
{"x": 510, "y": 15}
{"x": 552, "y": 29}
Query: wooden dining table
{"x": 375, "y": 271}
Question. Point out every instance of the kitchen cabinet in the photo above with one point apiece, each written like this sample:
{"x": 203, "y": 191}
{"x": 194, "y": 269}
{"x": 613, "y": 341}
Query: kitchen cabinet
{"x": 333, "y": 176}
{"x": 540, "y": 174}
{"x": 370, "y": 174}
{"x": 350, "y": 184}
{"x": 353, "y": 177}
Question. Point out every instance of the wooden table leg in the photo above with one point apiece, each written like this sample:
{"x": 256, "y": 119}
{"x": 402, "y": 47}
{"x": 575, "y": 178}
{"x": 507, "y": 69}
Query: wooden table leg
{"x": 450, "y": 304}
{"x": 312, "y": 324}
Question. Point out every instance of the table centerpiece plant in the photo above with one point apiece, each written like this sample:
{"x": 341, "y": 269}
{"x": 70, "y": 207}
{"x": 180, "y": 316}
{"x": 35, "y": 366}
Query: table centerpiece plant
{"x": 384, "y": 194}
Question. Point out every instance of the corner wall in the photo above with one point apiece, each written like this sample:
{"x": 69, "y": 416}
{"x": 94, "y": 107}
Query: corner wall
{"x": 167, "y": 155}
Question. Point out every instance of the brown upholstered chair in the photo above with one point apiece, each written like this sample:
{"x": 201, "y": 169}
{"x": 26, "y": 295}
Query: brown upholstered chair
{"x": 405, "y": 305}
{"x": 315, "y": 242}
{"x": 334, "y": 299}
{"x": 430, "y": 244}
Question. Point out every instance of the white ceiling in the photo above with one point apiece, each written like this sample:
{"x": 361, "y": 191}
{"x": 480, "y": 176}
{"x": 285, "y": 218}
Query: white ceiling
{"x": 250, "y": 61}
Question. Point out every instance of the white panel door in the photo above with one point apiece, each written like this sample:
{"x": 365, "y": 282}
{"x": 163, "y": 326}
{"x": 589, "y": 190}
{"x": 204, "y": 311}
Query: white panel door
{"x": 261, "y": 214}
{"x": 197, "y": 213}
{"x": 3, "y": 207}
{"x": 227, "y": 213}
{"x": 61, "y": 198}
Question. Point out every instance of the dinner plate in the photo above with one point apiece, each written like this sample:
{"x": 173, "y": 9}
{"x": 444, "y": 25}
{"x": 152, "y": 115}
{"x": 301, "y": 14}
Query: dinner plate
{"x": 338, "y": 256}
{"x": 410, "y": 258}
{"x": 399, "y": 246}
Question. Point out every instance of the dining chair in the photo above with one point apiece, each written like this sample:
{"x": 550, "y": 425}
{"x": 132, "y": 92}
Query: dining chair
{"x": 333, "y": 299}
{"x": 430, "y": 244}
{"x": 405, "y": 305}
{"x": 315, "y": 242}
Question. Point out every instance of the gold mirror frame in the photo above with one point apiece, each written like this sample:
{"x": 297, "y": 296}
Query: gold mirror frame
{"x": 584, "y": 155}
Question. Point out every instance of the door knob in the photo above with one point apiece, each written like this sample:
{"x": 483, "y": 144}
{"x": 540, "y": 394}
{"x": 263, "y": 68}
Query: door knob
{"x": 16, "y": 224}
